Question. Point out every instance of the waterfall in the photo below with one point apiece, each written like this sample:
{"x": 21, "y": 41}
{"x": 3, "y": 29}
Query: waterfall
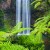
{"x": 18, "y": 11}
{"x": 23, "y": 14}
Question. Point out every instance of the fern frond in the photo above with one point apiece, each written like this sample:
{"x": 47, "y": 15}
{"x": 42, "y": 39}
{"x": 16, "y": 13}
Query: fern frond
{"x": 42, "y": 25}
{"x": 35, "y": 1}
{"x": 37, "y": 4}
{"x": 18, "y": 29}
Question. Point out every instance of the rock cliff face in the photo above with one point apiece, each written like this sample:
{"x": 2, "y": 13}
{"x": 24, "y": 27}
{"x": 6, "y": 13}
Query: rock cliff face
{"x": 5, "y": 4}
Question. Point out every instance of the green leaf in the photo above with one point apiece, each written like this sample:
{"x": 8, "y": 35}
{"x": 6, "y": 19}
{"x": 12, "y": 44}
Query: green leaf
{"x": 2, "y": 33}
{"x": 18, "y": 28}
{"x": 35, "y": 1}
{"x": 48, "y": 23}
{"x": 37, "y": 4}
{"x": 38, "y": 39}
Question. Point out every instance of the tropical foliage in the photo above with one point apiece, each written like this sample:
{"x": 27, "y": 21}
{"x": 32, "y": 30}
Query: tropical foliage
{"x": 42, "y": 25}
{"x": 9, "y": 46}
{"x": 31, "y": 42}
{"x": 41, "y": 4}
{"x": 4, "y": 39}
{"x": 9, "y": 40}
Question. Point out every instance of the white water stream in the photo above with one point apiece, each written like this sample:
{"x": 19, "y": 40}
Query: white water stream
{"x": 23, "y": 14}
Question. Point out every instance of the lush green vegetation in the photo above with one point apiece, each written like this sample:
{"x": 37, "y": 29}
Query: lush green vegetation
{"x": 24, "y": 42}
{"x": 35, "y": 41}
{"x": 5, "y": 43}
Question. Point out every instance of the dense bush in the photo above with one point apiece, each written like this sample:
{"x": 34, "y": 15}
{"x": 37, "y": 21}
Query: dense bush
{"x": 4, "y": 37}
{"x": 33, "y": 42}
{"x": 9, "y": 46}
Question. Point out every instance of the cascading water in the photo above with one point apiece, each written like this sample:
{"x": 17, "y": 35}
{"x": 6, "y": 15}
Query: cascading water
{"x": 23, "y": 14}
{"x": 18, "y": 11}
